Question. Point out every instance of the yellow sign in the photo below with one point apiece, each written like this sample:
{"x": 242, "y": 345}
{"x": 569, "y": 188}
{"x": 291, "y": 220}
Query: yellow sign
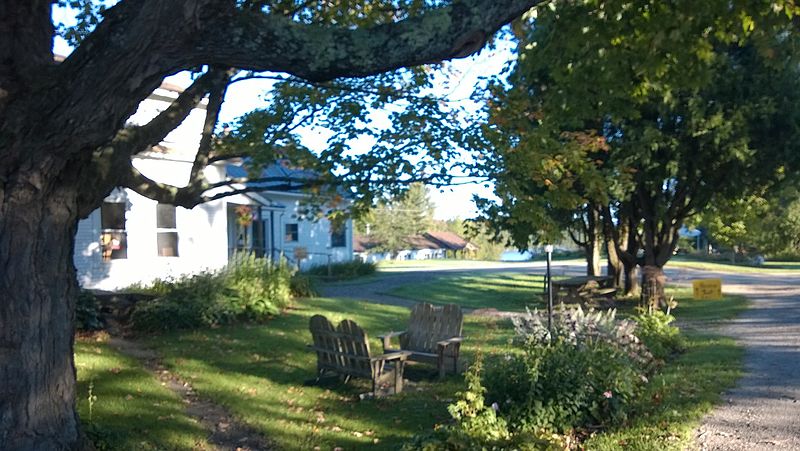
{"x": 707, "y": 288}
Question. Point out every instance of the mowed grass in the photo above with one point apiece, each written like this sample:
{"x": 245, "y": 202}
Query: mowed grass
{"x": 767, "y": 268}
{"x": 694, "y": 310}
{"x": 130, "y": 408}
{"x": 258, "y": 373}
{"x": 504, "y": 291}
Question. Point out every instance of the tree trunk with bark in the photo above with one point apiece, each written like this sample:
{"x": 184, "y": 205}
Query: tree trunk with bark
{"x": 37, "y": 378}
{"x": 615, "y": 267}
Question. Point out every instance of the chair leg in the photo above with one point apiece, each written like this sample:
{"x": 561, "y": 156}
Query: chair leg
{"x": 398, "y": 377}
{"x": 440, "y": 364}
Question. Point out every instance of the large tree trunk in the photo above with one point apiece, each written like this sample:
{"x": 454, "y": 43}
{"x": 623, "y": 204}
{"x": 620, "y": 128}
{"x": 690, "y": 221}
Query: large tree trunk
{"x": 653, "y": 282}
{"x": 615, "y": 267}
{"x": 631, "y": 278}
{"x": 38, "y": 286}
{"x": 593, "y": 258}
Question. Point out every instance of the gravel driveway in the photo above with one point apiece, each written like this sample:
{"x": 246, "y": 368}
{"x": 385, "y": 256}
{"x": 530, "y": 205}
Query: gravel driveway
{"x": 761, "y": 413}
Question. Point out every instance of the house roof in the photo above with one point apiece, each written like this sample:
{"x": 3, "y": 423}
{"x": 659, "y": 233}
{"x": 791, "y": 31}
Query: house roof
{"x": 363, "y": 243}
{"x": 287, "y": 178}
{"x": 417, "y": 242}
{"x": 449, "y": 241}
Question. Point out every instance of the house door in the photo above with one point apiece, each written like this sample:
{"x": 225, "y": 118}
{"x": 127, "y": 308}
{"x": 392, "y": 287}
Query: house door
{"x": 259, "y": 232}
{"x": 247, "y": 230}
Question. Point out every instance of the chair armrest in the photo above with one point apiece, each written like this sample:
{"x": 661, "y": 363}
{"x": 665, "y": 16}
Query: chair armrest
{"x": 449, "y": 341}
{"x": 387, "y": 338}
{"x": 397, "y": 355}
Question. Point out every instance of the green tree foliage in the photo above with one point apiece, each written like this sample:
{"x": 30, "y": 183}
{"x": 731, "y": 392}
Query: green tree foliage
{"x": 392, "y": 221}
{"x": 768, "y": 223}
{"x": 650, "y": 110}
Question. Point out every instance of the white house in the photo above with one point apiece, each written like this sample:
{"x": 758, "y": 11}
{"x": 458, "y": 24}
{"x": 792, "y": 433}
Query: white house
{"x": 133, "y": 239}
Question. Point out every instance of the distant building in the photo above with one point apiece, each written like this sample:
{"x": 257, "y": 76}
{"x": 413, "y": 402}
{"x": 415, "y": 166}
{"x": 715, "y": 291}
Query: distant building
{"x": 429, "y": 245}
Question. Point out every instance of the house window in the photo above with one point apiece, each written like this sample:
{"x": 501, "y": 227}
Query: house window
{"x": 113, "y": 238}
{"x": 166, "y": 231}
{"x": 291, "y": 233}
{"x": 339, "y": 236}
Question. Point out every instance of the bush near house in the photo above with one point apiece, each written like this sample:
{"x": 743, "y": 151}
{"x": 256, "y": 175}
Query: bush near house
{"x": 343, "y": 271}
{"x": 247, "y": 289}
{"x": 87, "y": 312}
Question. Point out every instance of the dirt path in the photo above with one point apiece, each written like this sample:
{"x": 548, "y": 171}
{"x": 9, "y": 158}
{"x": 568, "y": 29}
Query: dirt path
{"x": 225, "y": 433}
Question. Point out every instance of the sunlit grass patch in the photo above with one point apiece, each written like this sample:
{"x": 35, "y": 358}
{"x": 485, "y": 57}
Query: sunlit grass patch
{"x": 504, "y": 291}
{"x": 129, "y": 407}
{"x": 769, "y": 267}
{"x": 259, "y": 373}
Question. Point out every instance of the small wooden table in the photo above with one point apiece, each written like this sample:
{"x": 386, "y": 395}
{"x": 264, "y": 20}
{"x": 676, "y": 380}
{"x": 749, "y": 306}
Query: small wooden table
{"x": 577, "y": 289}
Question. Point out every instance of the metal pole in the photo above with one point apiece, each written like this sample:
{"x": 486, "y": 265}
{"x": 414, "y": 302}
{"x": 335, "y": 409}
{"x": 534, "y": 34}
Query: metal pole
{"x": 549, "y": 250}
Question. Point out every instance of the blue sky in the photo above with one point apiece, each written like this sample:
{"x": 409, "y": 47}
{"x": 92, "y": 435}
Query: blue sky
{"x": 451, "y": 202}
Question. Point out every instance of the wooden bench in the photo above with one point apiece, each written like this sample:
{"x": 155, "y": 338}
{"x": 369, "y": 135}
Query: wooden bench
{"x": 583, "y": 288}
{"x": 433, "y": 335}
{"x": 344, "y": 350}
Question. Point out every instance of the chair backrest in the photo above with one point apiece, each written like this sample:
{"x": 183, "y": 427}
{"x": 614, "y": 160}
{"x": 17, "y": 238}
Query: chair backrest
{"x": 429, "y": 325}
{"x": 344, "y": 349}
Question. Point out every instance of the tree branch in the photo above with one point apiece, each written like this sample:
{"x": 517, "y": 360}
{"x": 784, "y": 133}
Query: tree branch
{"x": 257, "y": 41}
{"x": 112, "y": 162}
{"x": 216, "y": 95}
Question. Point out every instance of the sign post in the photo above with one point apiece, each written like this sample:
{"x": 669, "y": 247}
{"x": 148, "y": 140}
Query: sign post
{"x": 549, "y": 250}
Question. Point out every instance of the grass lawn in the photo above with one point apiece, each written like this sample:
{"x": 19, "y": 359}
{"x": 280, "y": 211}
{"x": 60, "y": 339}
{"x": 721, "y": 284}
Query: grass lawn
{"x": 506, "y": 291}
{"x": 768, "y": 267}
{"x": 131, "y": 410}
{"x": 258, "y": 373}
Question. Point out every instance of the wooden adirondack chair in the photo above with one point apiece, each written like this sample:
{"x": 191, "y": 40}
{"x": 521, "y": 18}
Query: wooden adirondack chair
{"x": 345, "y": 351}
{"x": 433, "y": 335}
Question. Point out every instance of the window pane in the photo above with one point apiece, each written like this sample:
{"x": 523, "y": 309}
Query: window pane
{"x": 167, "y": 244}
{"x": 291, "y": 232}
{"x": 339, "y": 237}
{"x": 165, "y": 216}
{"x": 112, "y": 215}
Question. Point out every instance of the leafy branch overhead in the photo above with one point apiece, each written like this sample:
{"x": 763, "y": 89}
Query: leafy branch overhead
{"x": 649, "y": 111}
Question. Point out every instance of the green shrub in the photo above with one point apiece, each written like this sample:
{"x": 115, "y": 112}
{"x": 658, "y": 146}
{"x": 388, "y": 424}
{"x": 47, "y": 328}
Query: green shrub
{"x": 657, "y": 333}
{"x": 247, "y": 289}
{"x": 302, "y": 286}
{"x": 260, "y": 287}
{"x": 477, "y": 425}
{"x": 343, "y": 271}
{"x": 550, "y": 387}
{"x": 188, "y": 303}
{"x": 87, "y": 312}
